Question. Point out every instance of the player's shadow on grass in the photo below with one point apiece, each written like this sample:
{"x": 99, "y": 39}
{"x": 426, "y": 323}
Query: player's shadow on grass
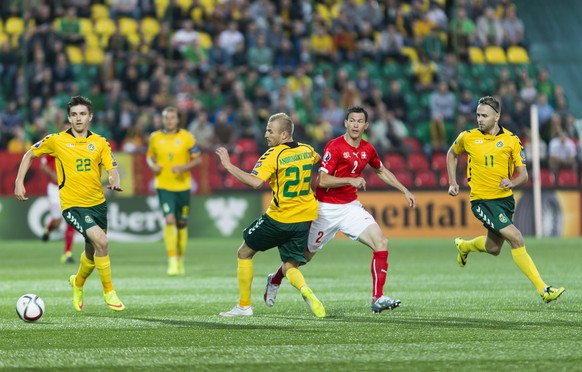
{"x": 454, "y": 322}
{"x": 218, "y": 324}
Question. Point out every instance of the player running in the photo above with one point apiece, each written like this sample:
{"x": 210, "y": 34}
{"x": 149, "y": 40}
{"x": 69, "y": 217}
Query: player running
{"x": 344, "y": 159}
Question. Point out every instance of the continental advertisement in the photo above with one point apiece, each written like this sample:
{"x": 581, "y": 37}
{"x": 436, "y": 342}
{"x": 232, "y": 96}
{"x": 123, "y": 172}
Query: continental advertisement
{"x": 226, "y": 215}
{"x": 439, "y": 215}
{"x": 138, "y": 219}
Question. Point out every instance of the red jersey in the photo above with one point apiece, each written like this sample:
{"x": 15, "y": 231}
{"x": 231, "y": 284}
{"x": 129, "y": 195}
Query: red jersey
{"x": 340, "y": 159}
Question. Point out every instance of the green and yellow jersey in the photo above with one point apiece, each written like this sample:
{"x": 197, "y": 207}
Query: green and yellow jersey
{"x": 288, "y": 167}
{"x": 78, "y": 162}
{"x": 491, "y": 158}
{"x": 169, "y": 150}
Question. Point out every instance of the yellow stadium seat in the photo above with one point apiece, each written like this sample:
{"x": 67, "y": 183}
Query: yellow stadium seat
{"x": 495, "y": 55}
{"x": 3, "y": 38}
{"x": 411, "y": 53}
{"x": 99, "y": 11}
{"x": 161, "y": 6}
{"x": 150, "y": 27}
{"x": 205, "y": 40}
{"x": 14, "y": 26}
{"x": 74, "y": 53}
{"x": 92, "y": 40}
{"x": 86, "y": 26}
{"x": 133, "y": 38}
{"x": 94, "y": 56}
{"x": 127, "y": 26}
{"x": 105, "y": 26}
{"x": 517, "y": 55}
{"x": 184, "y": 4}
{"x": 208, "y": 5}
{"x": 476, "y": 55}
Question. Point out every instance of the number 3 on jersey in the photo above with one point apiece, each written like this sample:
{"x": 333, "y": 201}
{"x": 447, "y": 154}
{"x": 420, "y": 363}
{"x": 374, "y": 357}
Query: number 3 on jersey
{"x": 293, "y": 175}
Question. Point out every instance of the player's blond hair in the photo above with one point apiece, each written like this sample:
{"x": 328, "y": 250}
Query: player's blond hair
{"x": 285, "y": 122}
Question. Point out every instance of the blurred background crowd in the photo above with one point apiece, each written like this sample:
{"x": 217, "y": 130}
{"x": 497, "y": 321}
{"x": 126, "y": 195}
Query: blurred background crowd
{"x": 418, "y": 67}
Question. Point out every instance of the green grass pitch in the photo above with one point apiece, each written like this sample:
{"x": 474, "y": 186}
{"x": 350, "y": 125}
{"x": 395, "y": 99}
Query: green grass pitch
{"x": 484, "y": 317}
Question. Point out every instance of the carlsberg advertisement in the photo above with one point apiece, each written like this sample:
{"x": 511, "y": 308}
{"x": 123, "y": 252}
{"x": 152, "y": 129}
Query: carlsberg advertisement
{"x": 138, "y": 219}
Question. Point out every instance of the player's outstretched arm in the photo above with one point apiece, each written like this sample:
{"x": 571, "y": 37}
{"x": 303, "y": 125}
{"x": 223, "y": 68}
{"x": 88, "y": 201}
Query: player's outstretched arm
{"x": 239, "y": 174}
{"x": 389, "y": 178}
{"x": 114, "y": 180}
{"x": 25, "y": 163}
{"x": 452, "y": 159}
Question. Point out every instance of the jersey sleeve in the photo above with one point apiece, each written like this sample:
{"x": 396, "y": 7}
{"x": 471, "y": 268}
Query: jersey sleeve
{"x": 265, "y": 166}
{"x": 107, "y": 158}
{"x": 518, "y": 154}
{"x": 193, "y": 147}
{"x": 459, "y": 144}
{"x": 151, "y": 153}
{"x": 45, "y": 146}
{"x": 329, "y": 160}
{"x": 375, "y": 161}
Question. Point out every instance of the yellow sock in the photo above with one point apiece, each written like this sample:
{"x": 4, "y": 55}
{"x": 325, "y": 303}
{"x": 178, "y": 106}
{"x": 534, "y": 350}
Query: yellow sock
{"x": 171, "y": 239}
{"x": 475, "y": 245}
{"x": 295, "y": 277}
{"x": 245, "y": 281}
{"x": 85, "y": 269}
{"x": 182, "y": 240}
{"x": 103, "y": 265}
{"x": 527, "y": 266}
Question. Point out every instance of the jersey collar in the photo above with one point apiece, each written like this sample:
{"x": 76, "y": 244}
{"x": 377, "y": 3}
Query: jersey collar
{"x": 70, "y": 131}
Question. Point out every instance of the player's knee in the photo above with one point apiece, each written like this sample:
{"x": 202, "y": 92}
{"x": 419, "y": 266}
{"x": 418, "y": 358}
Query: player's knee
{"x": 181, "y": 224}
{"x": 380, "y": 245}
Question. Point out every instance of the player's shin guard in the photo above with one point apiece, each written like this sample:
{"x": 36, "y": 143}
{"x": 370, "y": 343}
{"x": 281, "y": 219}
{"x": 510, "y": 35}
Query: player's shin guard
{"x": 295, "y": 277}
{"x": 245, "y": 281}
{"x": 171, "y": 240}
{"x": 103, "y": 265}
{"x": 379, "y": 269}
{"x": 182, "y": 240}
{"x": 527, "y": 266}
{"x": 86, "y": 267}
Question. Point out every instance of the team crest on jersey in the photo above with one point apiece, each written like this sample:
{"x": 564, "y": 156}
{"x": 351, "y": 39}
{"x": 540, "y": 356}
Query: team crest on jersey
{"x": 502, "y": 218}
{"x": 88, "y": 219}
{"x": 91, "y": 146}
{"x": 499, "y": 144}
{"x": 364, "y": 155}
{"x": 346, "y": 155}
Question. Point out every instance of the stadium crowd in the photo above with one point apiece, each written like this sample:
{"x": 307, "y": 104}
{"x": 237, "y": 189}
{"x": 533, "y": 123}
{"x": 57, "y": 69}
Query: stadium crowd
{"x": 228, "y": 65}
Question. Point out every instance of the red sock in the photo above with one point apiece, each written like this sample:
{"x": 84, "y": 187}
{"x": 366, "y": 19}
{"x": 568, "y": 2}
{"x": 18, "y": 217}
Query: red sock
{"x": 69, "y": 235}
{"x": 379, "y": 268}
{"x": 51, "y": 225}
{"x": 278, "y": 277}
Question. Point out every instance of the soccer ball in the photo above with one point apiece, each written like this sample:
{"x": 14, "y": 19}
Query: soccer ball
{"x": 30, "y": 307}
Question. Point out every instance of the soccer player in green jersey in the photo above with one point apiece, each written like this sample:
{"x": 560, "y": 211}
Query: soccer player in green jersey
{"x": 172, "y": 153}
{"x": 496, "y": 165}
{"x": 287, "y": 165}
{"x": 79, "y": 156}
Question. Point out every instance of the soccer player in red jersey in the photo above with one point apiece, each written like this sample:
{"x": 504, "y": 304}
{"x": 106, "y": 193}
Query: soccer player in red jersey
{"x": 48, "y": 166}
{"x": 344, "y": 159}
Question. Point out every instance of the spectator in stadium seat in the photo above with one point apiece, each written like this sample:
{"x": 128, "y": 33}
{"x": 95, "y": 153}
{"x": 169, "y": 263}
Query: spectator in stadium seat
{"x": 491, "y": 196}
{"x": 286, "y": 223}
{"x": 171, "y": 155}
{"x": 340, "y": 178}
{"x": 81, "y": 192}
{"x": 69, "y": 28}
{"x": 448, "y": 71}
{"x": 489, "y": 29}
{"x": 562, "y": 153}
{"x": 394, "y": 100}
{"x": 286, "y": 59}
{"x": 390, "y": 45}
{"x": 464, "y": 33}
{"x": 124, "y": 8}
{"x": 230, "y": 38}
{"x": 424, "y": 73}
{"x": 260, "y": 56}
{"x": 443, "y": 102}
{"x": 513, "y": 28}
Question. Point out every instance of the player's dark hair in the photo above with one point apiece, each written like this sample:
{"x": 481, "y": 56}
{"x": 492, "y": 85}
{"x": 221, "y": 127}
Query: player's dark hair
{"x": 79, "y": 100}
{"x": 358, "y": 110}
{"x": 491, "y": 102}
